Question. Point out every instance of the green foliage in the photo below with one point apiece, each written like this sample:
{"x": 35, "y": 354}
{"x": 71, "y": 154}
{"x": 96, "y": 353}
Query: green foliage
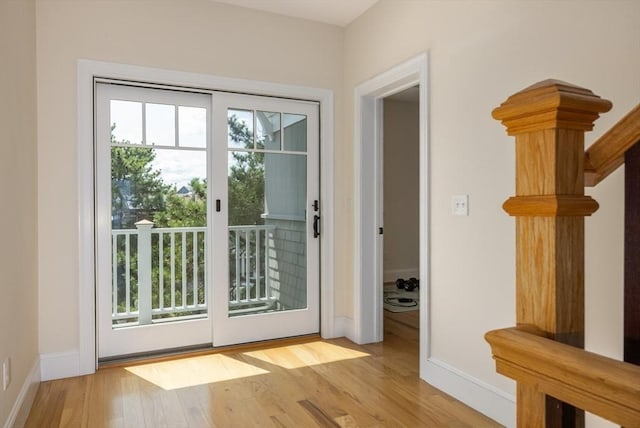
{"x": 185, "y": 211}
{"x": 246, "y": 178}
{"x": 137, "y": 190}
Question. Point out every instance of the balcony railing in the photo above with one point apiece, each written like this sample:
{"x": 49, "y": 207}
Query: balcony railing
{"x": 160, "y": 274}
{"x": 250, "y": 288}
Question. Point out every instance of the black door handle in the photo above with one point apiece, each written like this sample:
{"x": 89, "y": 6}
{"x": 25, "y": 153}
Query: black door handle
{"x": 316, "y": 226}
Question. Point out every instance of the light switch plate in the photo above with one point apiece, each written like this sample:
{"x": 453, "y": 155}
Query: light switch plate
{"x": 460, "y": 205}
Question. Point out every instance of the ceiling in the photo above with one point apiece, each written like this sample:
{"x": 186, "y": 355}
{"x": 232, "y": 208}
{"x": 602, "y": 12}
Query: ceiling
{"x": 336, "y": 12}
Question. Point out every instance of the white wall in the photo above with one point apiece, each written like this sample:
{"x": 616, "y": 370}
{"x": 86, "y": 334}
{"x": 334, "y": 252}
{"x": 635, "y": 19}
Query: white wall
{"x": 18, "y": 209}
{"x": 195, "y": 35}
{"x": 479, "y": 54}
{"x": 401, "y": 186}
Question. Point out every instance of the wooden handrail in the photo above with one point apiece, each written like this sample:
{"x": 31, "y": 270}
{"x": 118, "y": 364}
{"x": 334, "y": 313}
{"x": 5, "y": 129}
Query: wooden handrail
{"x": 598, "y": 384}
{"x": 605, "y": 155}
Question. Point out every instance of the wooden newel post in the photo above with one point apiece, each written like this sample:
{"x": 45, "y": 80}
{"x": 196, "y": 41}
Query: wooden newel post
{"x": 548, "y": 120}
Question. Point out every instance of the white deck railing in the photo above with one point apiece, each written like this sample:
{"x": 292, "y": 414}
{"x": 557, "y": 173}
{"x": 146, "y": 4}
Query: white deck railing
{"x": 160, "y": 274}
{"x": 249, "y": 283}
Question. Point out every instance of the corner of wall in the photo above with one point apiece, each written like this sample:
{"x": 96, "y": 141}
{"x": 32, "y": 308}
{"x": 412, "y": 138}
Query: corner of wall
{"x": 22, "y": 406}
{"x": 58, "y": 365}
{"x": 343, "y": 327}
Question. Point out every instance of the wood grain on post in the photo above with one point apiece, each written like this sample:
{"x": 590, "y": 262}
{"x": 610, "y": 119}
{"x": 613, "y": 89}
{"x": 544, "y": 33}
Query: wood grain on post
{"x": 548, "y": 120}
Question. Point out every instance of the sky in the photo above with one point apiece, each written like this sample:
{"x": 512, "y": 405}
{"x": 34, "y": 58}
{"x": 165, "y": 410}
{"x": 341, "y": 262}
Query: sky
{"x": 180, "y": 140}
{"x": 183, "y": 161}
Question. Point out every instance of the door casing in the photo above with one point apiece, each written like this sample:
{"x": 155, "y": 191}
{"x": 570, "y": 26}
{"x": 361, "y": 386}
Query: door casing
{"x": 368, "y": 277}
{"x": 88, "y": 71}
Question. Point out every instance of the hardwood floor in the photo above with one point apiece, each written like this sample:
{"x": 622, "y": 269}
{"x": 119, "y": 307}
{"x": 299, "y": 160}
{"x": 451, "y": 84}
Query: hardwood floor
{"x": 311, "y": 383}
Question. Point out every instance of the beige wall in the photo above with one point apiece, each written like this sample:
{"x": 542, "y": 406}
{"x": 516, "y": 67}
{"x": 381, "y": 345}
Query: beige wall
{"x": 197, "y": 36}
{"x": 18, "y": 210}
{"x": 401, "y": 186}
{"x": 480, "y": 53}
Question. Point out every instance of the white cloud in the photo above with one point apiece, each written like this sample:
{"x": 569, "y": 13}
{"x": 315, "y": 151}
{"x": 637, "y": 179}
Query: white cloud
{"x": 180, "y": 166}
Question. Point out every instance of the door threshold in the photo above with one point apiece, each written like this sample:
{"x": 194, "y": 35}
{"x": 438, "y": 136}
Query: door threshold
{"x": 199, "y": 350}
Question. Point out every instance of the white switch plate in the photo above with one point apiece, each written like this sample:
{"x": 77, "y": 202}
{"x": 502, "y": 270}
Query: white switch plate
{"x": 6, "y": 373}
{"x": 460, "y": 205}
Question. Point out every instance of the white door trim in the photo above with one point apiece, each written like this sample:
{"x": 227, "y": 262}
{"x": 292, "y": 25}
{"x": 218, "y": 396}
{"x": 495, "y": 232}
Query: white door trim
{"x": 368, "y": 200}
{"x": 87, "y": 71}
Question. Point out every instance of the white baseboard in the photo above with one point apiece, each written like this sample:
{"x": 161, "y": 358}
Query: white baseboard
{"x": 479, "y": 395}
{"x": 390, "y": 275}
{"x": 59, "y": 365}
{"x": 343, "y": 327}
{"x": 22, "y": 406}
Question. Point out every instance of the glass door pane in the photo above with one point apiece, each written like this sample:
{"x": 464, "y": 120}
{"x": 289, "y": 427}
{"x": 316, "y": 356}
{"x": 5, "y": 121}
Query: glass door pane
{"x": 267, "y": 223}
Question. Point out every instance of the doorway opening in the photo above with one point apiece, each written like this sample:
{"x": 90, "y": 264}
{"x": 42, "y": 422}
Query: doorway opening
{"x": 368, "y": 163}
{"x": 400, "y": 207}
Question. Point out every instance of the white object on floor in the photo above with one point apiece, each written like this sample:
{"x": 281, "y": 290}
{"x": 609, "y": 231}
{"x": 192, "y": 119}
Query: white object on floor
{"x": 392, "y": 296}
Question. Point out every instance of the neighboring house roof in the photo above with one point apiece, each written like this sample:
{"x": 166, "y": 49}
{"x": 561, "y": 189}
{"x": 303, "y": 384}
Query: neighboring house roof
{"x": 184, "y": 190}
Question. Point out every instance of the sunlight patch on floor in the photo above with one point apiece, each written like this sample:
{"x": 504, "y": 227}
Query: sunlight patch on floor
{"x": 187, "y": 372}
{"x": 305, "y": 355}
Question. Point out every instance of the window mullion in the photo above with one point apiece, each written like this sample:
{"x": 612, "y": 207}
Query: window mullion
{"x": 177, "y": 131}
{"x": 144, "y": 124}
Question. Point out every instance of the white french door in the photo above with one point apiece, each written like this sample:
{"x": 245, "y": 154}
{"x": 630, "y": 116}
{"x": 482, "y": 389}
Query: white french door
{"x": 266, "y": 249}
{"x": 206, "y": 218}
{"x": 152, "y": 268}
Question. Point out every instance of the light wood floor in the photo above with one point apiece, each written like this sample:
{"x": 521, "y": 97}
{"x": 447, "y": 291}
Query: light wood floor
{"x": 307, "y": 383}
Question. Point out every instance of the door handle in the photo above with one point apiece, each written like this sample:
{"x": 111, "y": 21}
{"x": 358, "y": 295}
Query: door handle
{"x": 316, "y": 226}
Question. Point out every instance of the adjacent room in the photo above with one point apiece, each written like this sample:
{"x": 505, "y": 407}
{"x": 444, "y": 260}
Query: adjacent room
{"x": 401, "y": 196}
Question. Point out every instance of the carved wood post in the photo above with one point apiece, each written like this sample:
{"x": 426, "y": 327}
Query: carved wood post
{"x": 548, "y": 120}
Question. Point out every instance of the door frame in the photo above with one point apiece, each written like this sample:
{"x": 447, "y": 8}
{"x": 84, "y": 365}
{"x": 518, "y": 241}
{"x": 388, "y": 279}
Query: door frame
{"x": 87, "y": 71}
{"x": 368, "y": 248}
